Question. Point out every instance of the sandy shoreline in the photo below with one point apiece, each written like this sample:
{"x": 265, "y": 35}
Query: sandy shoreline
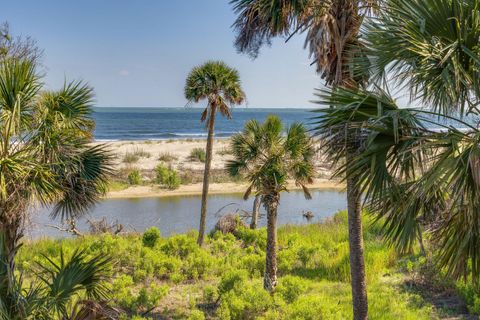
{"x": 176, "y": 154}
{"x": 215, "y": 188}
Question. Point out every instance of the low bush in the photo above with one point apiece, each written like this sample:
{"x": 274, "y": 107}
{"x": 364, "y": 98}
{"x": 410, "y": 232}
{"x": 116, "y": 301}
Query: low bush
{"x": 223, "y": 278}
{"x": 167, "y": 177}
{"x": 150, "y": 237}
{"x": 134, "y": 177}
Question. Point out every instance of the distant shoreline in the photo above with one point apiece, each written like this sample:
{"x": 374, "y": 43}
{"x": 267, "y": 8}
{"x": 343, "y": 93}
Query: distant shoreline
{"x": 215, "y": 188}
{"x": 176, "y": 154}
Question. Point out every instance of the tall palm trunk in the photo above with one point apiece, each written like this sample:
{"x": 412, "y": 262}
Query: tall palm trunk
{"x": 10, "y": 235}
{"x": 255, "y": 211}
{"x": 206, "y": 174}
{"x": 270, "y": 278}
{"x": 355, "y": 240}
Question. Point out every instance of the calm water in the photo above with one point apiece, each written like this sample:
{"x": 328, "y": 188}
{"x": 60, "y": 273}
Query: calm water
{"x": 169, "y": 123}
{"x": 181, "y": 214}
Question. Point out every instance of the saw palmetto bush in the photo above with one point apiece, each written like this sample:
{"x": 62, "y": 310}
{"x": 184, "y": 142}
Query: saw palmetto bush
{"x": 73, "y": 287}
{"x": 45, "y": 156}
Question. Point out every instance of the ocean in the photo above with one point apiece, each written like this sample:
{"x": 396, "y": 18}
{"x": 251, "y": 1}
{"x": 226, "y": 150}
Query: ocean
{"x": 142, "y": 123}
{"x": 155, "y": 123}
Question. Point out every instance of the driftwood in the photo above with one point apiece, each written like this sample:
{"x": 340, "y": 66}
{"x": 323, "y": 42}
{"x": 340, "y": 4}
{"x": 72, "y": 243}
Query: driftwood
{"x": 95, "y": 226}
{"x": 102, "y": 226}
{"x": 70, "y": 227}
{"x": 229, "y": 223}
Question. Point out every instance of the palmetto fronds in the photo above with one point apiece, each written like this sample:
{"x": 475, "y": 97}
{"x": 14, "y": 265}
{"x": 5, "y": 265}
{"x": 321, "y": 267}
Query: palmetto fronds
{"x": 218, "y": 84}
{"x": 45, "y": 156}
{"x": 431, "y": 48}
{"x": 331, "y": 29}
{"x": 79, "y": 276}
{"x": 267, "y": 156}
{"x": 410, "y": 176}
{"x": 64, "y": 289}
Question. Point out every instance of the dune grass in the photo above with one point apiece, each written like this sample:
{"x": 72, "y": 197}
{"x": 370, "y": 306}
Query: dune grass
{"x": 223, "y": 280}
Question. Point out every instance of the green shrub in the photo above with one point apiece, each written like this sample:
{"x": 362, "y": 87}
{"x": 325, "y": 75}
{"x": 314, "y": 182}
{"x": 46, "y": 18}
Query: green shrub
{"x": 161, "y": 173}
{"x": 244, "y": 301}
{"x": 313, "y": 273}
{"x": 150, "y": 237}
{"x": 146, "y": 298}
{"x": 230, "y": 279}
{"x": 180, "y": 245}
{"x": 149, "y": 297}
{"x": 256, "y": 238}
{"x": 167, "y": 177}
{"x": 134, "y": 177}
{"x": 197, "y": 154}
{"x": 173, "y": 180}
{"x": 196, "y": 315}
{"x": 210, "y": 294}
{"x": 291, "y": 287}
{"x": 198, "y": 264}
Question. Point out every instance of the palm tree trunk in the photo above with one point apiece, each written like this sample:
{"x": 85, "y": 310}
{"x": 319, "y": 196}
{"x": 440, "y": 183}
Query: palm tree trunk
{"x": 357, "y": 262}
{"x": 270, "y": 278}
{"x": 10, "y": 235}
{"x": 255, "y": 212}
{"x": 206, "y": 175}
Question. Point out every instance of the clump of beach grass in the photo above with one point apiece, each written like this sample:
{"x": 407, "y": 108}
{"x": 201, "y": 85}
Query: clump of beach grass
{"x": 197, "y": 154}
{"x": 167, "y": 157}
{"x": 135, "y": 155}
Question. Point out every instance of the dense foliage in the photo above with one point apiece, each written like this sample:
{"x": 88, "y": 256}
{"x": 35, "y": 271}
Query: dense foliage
{"x": 223, "y": 279}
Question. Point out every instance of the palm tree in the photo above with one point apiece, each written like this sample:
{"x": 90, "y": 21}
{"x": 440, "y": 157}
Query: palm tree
{"x": 220, "y": 86}
{"x": 332, "y": 36}
{"x": 73, "y": 288}
{"x": 45, "y": 156}
{"x": 267, "y": 159}
{"x": 438, "y": 62}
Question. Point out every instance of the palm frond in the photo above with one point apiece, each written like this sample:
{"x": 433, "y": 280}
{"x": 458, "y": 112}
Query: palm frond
{"x": 430, "y": 48}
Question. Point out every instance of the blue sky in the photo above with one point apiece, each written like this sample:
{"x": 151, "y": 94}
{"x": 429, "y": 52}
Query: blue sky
{"x": 138, "y": 53}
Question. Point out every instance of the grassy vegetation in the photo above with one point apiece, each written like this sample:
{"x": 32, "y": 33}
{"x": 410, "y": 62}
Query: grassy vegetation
{"x": 135, "y": 155}
{"x": 134, "y": 177}
{"x": 167, "y": 157}
{"x": 167, "y": 177}
{"x": 115, "y": 185}
{"x": 197, "y": 154}
{"x": 222, "y": 280}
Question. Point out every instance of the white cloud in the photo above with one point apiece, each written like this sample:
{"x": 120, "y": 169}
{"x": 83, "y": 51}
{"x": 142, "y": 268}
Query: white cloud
{"x": 124, "y": 73}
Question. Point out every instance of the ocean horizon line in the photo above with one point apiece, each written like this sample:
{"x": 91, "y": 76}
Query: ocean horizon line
{"x": 200, "y": 107}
